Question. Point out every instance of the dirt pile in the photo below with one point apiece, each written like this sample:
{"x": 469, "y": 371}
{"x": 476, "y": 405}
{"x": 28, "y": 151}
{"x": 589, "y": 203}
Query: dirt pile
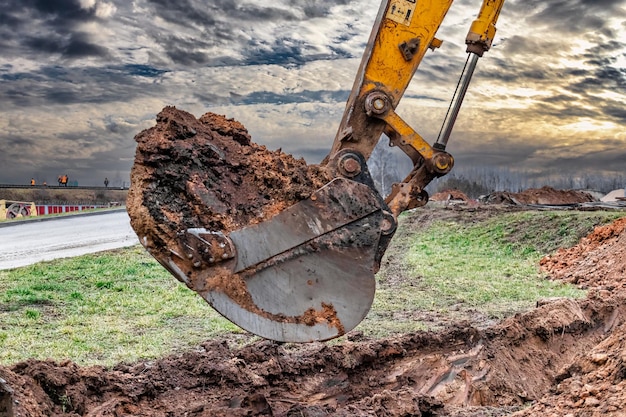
{"x": 594, "y": 383}
{"x": 450, "y": 196}
{"x": 615, "y": 195}
{"x": 207, "y": 173}
{"x": 418, "y": 374}
{"x": 597, "y": 261}
{"x": 544, "y": 195}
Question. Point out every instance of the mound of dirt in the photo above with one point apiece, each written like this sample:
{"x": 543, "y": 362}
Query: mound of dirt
{"x": 206, "y": 172}
{"x": 450, "y": 195}
{"x": 597, "y": 261}
{"x": 544, "y": 195}
{"x": 594, "y": 383}
{"x": 418, "y": 374}
{"x": 615, "y": 195}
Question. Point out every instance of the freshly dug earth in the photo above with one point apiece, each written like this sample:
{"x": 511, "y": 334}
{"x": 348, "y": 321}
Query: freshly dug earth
{"x": 544, "y": 195}
{"x": 447, "y": 195}
{"x": 580, "y": 264}
{"x": 206, "y": 172}
{"x": 566, "y": 357}
{"x": 594, "y": 382}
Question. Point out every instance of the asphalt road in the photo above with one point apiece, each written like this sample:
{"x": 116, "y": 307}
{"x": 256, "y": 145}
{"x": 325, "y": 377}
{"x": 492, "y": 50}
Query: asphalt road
{"x": 28, "y": 242}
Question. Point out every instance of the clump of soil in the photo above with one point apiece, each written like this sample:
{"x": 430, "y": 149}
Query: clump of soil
{"x": 206, "y": 172}
{"x": 544, "y": 195}
{"x": 450, "y": 195}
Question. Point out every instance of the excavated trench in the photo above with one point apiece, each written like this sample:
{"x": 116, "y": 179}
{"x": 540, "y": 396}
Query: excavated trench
{"x": 566, "y": 357}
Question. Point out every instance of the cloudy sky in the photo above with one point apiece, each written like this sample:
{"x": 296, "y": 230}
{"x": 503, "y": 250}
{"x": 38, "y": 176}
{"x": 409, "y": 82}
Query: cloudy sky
{"x": 79, "y": 78}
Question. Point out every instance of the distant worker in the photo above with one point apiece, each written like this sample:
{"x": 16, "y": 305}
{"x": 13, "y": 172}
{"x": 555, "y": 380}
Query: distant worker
{"x": 64, "y": 180}
{"x": 32, "y": 181}
{"x": 45, "y": 184}
{"x": 60, "y": 179}
{"x": 106, "y": 182}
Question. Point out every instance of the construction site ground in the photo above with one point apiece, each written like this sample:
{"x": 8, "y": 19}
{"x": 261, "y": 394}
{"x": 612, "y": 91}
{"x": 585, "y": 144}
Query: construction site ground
{"x": 565, "y": 357}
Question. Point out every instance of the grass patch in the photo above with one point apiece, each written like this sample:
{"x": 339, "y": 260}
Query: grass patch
{"x": 480, "y": 268}
{"x": 103, "y": 308}
{"x": 442, "y": 267}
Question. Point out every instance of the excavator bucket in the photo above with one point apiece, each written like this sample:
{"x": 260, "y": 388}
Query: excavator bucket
{"x": 285, "y": 250}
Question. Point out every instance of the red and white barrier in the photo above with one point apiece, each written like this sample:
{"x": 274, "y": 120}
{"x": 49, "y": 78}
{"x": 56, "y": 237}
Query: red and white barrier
{"x": 44, "y": 209}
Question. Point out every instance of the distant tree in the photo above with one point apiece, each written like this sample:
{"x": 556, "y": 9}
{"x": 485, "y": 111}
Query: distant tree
{"x": 388, "y": 165}
{"x": 470, "y": 188}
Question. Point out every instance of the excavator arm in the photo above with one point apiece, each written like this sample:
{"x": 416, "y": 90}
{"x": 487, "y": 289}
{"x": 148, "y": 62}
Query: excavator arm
{"x": 307, "y": 273}
{"x": 403, "y": 33}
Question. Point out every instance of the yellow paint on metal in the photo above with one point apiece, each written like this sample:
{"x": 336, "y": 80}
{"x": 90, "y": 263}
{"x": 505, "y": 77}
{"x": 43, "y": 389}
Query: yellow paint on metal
{"x": 387, "y": 68}
{"x": 404, "y": 31}
{"x": 483, "y": 28}
{"x": 401, "y": 11}
{"x": 397, "y": 45}
{"x": 409, "y": 136}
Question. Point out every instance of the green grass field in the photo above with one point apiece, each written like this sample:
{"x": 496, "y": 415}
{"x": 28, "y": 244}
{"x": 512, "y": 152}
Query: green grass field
{"x": 121, "y": 306}
{"x": 102, "y": 308}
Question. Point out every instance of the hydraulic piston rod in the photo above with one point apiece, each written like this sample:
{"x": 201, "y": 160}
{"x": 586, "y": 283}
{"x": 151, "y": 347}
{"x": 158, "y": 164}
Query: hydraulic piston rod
{"x": 457, "y": 100}
{"x": 478, "y": 41}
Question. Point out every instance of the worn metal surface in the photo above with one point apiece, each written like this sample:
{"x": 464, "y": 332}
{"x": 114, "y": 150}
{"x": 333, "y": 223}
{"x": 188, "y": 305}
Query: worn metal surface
{"x": 339, "y": 203}
{"x": 312, "y": 294}
{"x": 306, "y": 274}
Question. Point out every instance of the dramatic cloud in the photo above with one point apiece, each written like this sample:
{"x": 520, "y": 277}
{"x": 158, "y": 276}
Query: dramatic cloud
{"x": 79, "y": 78}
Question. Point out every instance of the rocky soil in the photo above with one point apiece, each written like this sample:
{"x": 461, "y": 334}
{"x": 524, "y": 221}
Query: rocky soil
{"x": 208, "y": 173}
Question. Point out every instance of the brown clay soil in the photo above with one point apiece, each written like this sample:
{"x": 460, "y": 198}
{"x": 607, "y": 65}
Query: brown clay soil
{"x": 564, "y": 358}
{"x": 544, "y": 195}
{"x": 450, "y": 195}
{"x": 206, "y": 172}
